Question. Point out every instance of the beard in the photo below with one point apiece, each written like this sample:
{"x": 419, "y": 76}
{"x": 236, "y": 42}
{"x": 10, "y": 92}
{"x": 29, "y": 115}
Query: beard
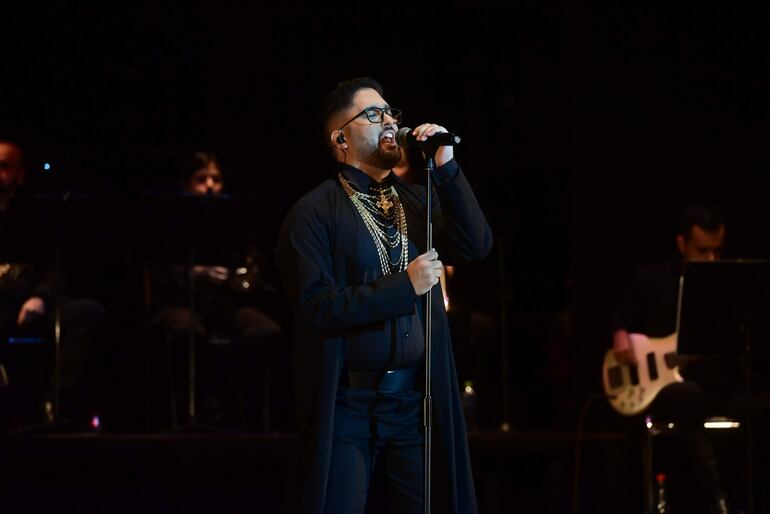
{"x": 383, "y": 157}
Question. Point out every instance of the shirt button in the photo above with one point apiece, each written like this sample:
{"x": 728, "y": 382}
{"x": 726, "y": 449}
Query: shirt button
{"x": 406, "y": 334}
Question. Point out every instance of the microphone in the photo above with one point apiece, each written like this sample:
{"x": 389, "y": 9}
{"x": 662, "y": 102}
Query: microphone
{"x": 405, "y": 138}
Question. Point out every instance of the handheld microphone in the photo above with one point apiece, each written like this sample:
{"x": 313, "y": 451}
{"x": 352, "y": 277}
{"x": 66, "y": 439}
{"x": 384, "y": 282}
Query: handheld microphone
{"x": 405, "y": 139}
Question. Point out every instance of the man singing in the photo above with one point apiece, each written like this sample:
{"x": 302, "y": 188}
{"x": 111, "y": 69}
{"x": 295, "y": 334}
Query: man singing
{"x": 353, "y": 260}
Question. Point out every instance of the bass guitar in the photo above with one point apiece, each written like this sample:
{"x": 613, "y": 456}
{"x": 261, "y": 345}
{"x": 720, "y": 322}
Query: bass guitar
{"x": 631, "y": 389}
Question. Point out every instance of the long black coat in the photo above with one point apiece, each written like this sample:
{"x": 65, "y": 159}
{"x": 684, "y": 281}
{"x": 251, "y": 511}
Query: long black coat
{"x": 325, "y": 255}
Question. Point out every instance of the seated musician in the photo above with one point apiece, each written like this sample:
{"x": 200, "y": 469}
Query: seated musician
{"x": 649, "y": 307}
{"x": 227, "y": 310}
{"x": 28, "y": 296}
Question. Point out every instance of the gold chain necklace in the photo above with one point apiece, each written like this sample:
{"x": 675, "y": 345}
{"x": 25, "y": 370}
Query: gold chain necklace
{"x": 370, "y": 208}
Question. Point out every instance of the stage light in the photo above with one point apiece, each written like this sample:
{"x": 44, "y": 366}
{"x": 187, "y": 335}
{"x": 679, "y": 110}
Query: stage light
{"x": 47, "y": 166}
{"x": 721, "y": 423}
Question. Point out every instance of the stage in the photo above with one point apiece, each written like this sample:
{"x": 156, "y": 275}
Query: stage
{"x": 225, "y": 473}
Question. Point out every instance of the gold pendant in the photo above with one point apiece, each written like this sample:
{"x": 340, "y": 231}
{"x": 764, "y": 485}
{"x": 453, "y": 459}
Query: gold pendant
{"x": 384, "y": 204}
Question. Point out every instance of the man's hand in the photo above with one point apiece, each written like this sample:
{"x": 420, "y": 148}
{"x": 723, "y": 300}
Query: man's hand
{"x": 33, "y": 306}
{"x": 424, "y": 272}
{"x": 624, "y": 348}
{"x": 444, "y": 154}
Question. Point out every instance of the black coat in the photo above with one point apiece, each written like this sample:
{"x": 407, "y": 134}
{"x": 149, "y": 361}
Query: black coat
{"x": 322, "y": 244}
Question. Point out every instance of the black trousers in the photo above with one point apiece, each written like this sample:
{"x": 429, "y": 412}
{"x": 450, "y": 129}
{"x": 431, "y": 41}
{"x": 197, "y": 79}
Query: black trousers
{"x": 233, "y": 381}
{"x": 82, "y": 374}
{"x": 684, "y": 404}
{"x": 366, "y": 425}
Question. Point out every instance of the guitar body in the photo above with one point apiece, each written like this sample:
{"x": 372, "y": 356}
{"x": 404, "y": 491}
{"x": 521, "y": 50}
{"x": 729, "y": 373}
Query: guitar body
{"x": 631, "y": 389}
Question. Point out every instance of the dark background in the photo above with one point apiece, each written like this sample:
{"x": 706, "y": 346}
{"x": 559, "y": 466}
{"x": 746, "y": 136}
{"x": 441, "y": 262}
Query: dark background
{"x": 587, "y": 127}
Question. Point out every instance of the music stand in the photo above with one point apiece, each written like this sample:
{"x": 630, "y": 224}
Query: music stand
{"x": 724, "y": 315}
{"x": 194, "y": 230}
{"x": 32, "y": 232}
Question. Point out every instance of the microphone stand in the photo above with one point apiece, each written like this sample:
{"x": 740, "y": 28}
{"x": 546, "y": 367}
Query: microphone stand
{"x": 429, "y": 148}
{"x": 57, "y": 338}
{"x": 55, "y": 418}
{"x": 430, "y": 167}
{"x": 192, "y": 420}
{"x": 746, "y": 333}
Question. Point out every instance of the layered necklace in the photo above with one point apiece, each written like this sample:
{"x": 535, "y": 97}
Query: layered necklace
{"x": 385, "y": 220}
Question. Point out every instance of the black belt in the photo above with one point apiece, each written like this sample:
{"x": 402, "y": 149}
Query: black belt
{"x": 390, "y": 382}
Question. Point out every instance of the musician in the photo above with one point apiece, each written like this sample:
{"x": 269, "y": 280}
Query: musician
{"x": 649, "y": 307}
{"x": 358, "y": 301}
{"x": 204, "y": 175}
{"x": 28, "y": 296}
{"x": 12, "y": 172}
{"x": 227, "y": 305}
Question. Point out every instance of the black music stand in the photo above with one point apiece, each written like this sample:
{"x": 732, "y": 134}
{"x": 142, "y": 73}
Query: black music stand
{"x": 724, "y": 302}
{"x": 724, "y": 315}
{"x": 33, "y": 232}
{"x": 194, "y": 230}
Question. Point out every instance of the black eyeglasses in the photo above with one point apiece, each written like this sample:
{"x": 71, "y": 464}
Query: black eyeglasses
{"x": 376, "y": 115}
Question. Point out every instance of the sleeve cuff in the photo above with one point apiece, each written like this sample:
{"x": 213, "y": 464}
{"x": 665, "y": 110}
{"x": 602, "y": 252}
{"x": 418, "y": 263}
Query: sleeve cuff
{"x": 405, "y": 295}
{"x": 446, "y": 173}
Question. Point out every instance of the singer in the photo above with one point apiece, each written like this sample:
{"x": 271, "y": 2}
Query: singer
{"x": 353, "y": 261}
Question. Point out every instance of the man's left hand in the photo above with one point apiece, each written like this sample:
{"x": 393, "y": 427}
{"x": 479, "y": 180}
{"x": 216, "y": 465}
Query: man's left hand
{"x": 444, "y": 154}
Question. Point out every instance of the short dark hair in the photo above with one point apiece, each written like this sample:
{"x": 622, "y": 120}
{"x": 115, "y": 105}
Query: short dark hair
{"x": 708, "y": 218}
{"x": 192, "y": 163}
{"x": 342, "y": 95}
{"x": 200, "y": 160}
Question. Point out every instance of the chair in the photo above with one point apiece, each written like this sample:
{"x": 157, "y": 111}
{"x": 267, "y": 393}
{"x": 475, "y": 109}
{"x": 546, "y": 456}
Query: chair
{"x": 654, "y": 428}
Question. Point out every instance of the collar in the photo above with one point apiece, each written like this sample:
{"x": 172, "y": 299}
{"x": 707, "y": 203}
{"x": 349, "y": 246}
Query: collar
{"x": 363, "y": 182}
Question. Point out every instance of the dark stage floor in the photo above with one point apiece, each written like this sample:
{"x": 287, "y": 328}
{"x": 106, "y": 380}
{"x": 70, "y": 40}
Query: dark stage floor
{"x": 96, "y": 473}
{"x": 229, "y": 474}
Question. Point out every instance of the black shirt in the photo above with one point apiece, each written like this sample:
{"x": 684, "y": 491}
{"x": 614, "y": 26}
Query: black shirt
{"x": 380, "y": 318}
{"x": 394, "y": 343}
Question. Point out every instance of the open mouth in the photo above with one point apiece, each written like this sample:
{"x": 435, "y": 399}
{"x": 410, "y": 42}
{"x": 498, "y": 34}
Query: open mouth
{"x": 388, "y": 137}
